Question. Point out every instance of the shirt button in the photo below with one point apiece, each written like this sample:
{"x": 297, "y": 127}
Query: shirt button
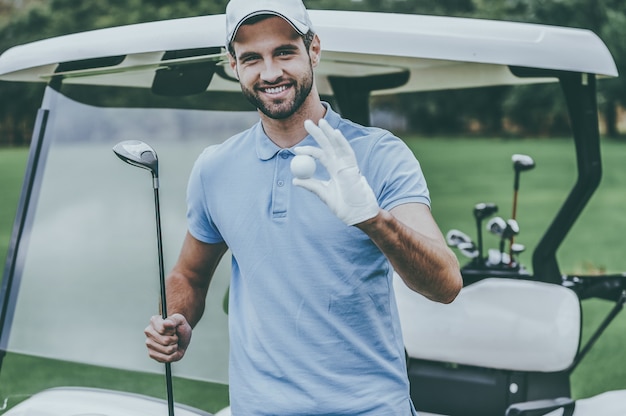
{"x": 284, "y": 155}
{"x": 281, "y": 183}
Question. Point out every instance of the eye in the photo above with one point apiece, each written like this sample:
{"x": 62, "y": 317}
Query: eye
{"x": 285, "y": 52}
{"x": 248, "y": 58}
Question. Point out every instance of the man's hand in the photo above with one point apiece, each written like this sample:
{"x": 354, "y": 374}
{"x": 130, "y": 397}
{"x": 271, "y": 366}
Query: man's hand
{"x": 347, "y": 193}
{"x": 167, "y": 339}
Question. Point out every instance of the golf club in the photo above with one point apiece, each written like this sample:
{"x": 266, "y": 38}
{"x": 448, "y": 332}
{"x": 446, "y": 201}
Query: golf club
{"x": 495, "y": 258}
{"x": 468, "y": 249}
{"x": 139, "y": 154}
{"x": 521, "y": 163}
{"x": 455, "y": 237}
{"x": 506, "y": 230}
{"x": 481, "y": 211}
{"x": 516, "y": 249}
{"x": 509, "y": 232}
{"x": 496, "y": 226}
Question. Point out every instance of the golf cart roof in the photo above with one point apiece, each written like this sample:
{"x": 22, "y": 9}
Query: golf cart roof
{"x": 435, "y": 52}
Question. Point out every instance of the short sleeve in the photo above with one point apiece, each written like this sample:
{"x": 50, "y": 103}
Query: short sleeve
{"x": 199, "y": 220}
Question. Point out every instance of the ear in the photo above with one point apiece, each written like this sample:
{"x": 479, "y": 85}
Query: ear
{"x": 315, "y": 51}
{"x": 233, "y": 65}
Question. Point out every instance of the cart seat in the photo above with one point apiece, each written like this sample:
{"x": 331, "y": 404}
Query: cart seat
{"x": 63, "y": 401}
{"x": 494, "y": 323}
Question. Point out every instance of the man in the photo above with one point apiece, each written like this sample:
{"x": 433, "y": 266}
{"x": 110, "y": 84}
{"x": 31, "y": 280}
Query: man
{"x": 313, "y": 324}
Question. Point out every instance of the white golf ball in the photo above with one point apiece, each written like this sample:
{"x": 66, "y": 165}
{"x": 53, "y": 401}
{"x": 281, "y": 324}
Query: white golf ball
{"x": 303, "y": 166}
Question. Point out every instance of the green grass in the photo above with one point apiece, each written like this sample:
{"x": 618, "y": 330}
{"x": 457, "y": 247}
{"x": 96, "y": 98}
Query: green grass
{"x": 463, "y": 172}
{"x": 460, "y": 173}
{"x": 12, "y": 167}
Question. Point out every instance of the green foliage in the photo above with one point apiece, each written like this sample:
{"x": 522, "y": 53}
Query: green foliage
{"x": 433, "y": 7}
{"x": 12, "y": 167}
{"x": 491, "y": 111}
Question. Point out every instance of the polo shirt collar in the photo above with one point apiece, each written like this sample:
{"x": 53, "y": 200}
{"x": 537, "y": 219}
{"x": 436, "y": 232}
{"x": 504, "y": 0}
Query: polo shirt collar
{"x": 267, "y": 149}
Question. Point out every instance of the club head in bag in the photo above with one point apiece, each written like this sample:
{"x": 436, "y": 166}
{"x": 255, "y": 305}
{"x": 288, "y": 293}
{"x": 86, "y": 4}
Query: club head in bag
{"x": 496, "y": 226}
{"x": 522, "y": 162}
{"x": 455, "y": 237}
{"x": 484, "y": 210}
{"x": 468, "y": 250}
{"x": 518, "y": 248}
{"x": 511, "y": 229}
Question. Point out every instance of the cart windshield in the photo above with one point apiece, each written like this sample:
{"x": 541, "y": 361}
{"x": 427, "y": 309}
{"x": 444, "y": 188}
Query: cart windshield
{"x": 87, "y": 265}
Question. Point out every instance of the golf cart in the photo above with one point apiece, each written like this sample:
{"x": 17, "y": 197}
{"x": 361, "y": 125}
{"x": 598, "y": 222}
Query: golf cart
{"x": 80, "y": 280}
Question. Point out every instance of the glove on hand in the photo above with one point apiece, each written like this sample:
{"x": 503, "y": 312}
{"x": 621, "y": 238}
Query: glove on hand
{"x": 347, "y": 193}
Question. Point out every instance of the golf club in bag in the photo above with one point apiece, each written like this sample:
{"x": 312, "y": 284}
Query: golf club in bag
{"x": 137, "y": 153}
{"x": 481, "y": 211}
{"x": 521, "y": 163}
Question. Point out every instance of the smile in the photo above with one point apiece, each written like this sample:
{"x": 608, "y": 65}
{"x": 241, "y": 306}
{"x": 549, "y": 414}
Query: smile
{"x": 275, "y": 90}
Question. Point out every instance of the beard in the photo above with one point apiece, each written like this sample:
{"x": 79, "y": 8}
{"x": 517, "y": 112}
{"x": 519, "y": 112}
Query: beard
{"x": 281, "y": 109}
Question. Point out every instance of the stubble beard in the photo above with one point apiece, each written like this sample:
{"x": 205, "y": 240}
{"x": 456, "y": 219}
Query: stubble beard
{"x": 282, "y": 109}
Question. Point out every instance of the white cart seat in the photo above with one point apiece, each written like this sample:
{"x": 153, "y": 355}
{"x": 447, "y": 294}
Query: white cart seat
{"x": 495, "y": 323}
{"x": 66, "y": 401}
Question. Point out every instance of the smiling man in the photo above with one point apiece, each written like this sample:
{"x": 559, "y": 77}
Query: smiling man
{"x": 314, "y": 328}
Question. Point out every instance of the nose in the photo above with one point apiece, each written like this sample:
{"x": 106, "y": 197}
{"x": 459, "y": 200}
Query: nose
{"x": 271, "y": 71}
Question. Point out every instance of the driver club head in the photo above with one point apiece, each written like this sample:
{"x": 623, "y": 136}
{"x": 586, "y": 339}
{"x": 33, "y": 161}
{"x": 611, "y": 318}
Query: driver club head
{"x": 138, "y": 153}
{"x": 511, "y": 229}
{"x": 522, "y": 162}
{"x": 484, "y": 210}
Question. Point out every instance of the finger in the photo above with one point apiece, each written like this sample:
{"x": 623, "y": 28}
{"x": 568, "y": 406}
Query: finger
{"x": 317, "y": 134}
{"x": 159, "y": 339}
{"x": 312, "y": 151}
{"x": 163, "y": 326}
{"x": 177, "y": 319}
{"x": 339, "y": 143}
{"x": 164, "y": 357}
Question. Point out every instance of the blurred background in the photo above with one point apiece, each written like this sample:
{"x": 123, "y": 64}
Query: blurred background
{"x": 494, "y": 112}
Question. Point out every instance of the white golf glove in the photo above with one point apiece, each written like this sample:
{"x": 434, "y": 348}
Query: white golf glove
{"x": 347, "y": 193}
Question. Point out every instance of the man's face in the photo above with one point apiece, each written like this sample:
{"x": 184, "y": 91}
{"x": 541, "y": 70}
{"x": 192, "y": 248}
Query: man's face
{"x": 274, "y": 69}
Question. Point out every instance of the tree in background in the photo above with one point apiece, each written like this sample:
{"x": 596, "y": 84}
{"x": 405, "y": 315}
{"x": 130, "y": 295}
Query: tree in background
{"x": 486, "y": 111}
{"x": 537, "y": 112}
{"x": 35, "y": 20}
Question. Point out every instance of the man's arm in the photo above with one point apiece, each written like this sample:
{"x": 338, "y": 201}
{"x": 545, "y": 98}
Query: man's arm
{"x": 408, "y": 235}
{"x": 411, "y": 240}
{"x": 187, "y": 286}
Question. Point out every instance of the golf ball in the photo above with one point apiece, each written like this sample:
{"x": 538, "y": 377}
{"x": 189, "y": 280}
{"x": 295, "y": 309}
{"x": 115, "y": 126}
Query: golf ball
{"x": 303, "y": 166}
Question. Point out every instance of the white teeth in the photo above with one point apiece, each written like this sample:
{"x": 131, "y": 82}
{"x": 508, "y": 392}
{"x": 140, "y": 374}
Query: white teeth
{"x": 275, "y": 90}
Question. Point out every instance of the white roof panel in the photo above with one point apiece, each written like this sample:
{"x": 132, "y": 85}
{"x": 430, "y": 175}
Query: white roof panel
{"x": 440, "y": 52}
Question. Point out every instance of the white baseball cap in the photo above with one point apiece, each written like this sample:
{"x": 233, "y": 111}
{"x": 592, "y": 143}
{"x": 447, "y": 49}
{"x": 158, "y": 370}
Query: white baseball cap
{"x": 293, "y": 11}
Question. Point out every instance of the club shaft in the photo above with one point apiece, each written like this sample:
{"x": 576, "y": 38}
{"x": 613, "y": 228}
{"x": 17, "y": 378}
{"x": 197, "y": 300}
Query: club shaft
{"x": 168, "y": 366}
{"x": 479, "y": 239}
{"x": 160, "y": 248}
{"x": 170, "y": 389}
{"x": 514, "y": 213}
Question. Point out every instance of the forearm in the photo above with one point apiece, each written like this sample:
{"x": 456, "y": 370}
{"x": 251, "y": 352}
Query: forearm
{"x": 425, "y": 263}
{"x": 188, "y": 283}
{"x": 185, "y": 298}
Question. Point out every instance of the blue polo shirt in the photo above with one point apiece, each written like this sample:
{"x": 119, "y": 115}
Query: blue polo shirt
{"x": 314, "y": 328}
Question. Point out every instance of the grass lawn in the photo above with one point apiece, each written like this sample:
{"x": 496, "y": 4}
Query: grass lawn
{"x": 460, "y": 173}
{"x": 12, "y": 167}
